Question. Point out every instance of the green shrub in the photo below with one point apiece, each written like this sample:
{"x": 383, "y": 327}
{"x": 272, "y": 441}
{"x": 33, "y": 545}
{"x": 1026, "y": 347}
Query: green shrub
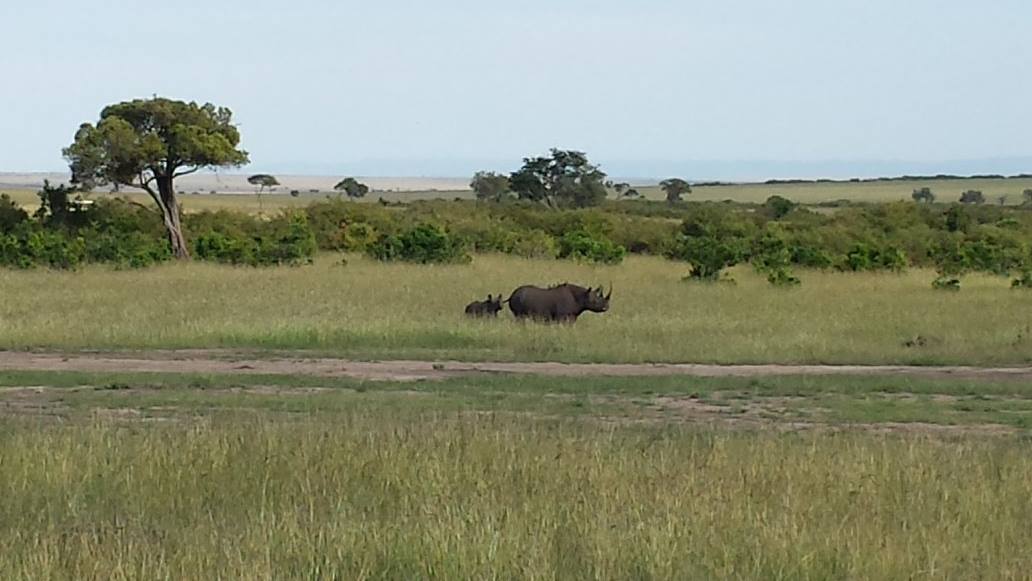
{"x": 334, "y": 222}
{"x": 711, "y": 240}
{"x": 534, "y": 244}
{"x": 423, "y": 244}
{"x": 11, "y": 216}
{"x": 809, "y": 256}
{"x": 225, "y": 248}
{"x": 581, "y": 245}
{"x": 708, "y": 256}
{"x": 947, "y": 283}
{"x": 864, "y": 257}
{"x": 286, "y": 240}
{"x": 777, "y": 207}
{"x": 125, "y": 249}
{"x": 1023, "y": 280}
{"x": 771, "y": 257}
{"x": 31, "y": 247}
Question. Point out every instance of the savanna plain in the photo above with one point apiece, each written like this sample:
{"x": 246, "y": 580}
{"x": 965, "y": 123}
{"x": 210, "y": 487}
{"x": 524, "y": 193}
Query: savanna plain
{"x": 122, "y": 474}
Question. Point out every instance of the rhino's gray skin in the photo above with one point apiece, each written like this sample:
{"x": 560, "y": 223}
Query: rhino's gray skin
{"x": 558, "y": 304}
{"x": 488, "y": 308}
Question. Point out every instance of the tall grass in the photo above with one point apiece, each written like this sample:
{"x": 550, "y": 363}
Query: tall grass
{"x": 364, "y": 496}
{"x": 390, "y": 310}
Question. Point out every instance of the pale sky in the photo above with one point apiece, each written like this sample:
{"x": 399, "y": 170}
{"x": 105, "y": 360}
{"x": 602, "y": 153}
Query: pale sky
{"x": 730, "y": 87}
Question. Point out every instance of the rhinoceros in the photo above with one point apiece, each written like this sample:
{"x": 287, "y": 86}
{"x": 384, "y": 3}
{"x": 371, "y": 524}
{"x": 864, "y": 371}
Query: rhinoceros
{"x": 488, "y": 308}
{"x": 559, "y": 304}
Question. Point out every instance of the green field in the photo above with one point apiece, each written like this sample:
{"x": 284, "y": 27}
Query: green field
{"x": 118, "y": 476}
{"x": 377, "y": 310}
{"x": 947, "y": 190}
{"x": 114, "y": 474}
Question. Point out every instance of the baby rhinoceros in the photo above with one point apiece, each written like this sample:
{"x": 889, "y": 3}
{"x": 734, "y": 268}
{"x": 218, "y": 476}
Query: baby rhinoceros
{"x": 488, "y": 308}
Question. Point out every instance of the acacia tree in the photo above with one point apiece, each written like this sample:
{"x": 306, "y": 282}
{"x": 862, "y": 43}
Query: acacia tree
{"x": 147, "y": 144}
{"x": 262, "y": 181}
{"x": 675, "y": 188}
{"x": 564, "y": 179}
{"x": 352, "y": 187}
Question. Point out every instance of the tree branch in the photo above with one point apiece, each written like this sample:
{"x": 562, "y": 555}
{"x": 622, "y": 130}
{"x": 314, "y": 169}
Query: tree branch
{"x": 144, "y": 184}
{"x": 185, "y": 172}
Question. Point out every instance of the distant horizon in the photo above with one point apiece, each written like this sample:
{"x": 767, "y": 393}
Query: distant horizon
{"x": 650, "y": 170}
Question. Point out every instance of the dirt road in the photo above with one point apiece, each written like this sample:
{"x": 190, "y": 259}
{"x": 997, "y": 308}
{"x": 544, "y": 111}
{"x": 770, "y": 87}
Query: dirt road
{"x": 227, "y": 362}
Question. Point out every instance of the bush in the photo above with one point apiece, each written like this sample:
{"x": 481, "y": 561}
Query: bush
{"x": 31, "y": 247}
{"x": 11, "y": 216}
{"x": 711, "y": 240}
{"x": 777, "y": 207}
{"x": 972, "y": 197}
{"x": 424, "y": 244}
{"x": 125, "y": 249}
{"x": 708, "y": 256}
{"x": 947, "y": 283}
{"x": 224, "y": 248}
{"x": 534, "y": 244}
{"x": 581, "y": 245}
{"x": 1023, "y": 281}
{"x": 771, "y": 257}
{"x": 286, "y": 240}
{"x": 863, "y": 257}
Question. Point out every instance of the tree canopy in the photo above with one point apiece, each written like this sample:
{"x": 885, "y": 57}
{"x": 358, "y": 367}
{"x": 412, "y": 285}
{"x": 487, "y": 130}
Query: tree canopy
{"x": 263, "y": 180}
{"x": 148, "y": 143}
{"x": 352, "y": 188}
{"x": 563, "y": 179}
{"x": 489, "y": 185}
{"x": 675, "y": 188}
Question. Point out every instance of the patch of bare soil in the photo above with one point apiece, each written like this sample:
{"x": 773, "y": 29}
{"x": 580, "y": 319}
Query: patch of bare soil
{"x": 768, "y": 413}
{"x": 773, "y": 413}
{"x": 228, "y": 362}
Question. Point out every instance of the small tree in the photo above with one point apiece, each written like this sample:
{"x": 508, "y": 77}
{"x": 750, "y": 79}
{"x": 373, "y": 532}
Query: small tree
{"x": 147, "y": 144}
{"x": 352, "y": 187}
{"x": 562, "y": 179}
{"x": 1002, "y": 199}
{"x": 490, "y": 186}
{"x": 631, "y": 193}
{"x": 620, "y": 188}
{"x": 262, "y": 181}
{"x": 1026, "y": 196}
{"x": 923, "y": 195}
{"x": 675, "y": 188}
{"x": 10, "y": 214}
{"x": 778, "y": 207}
{"x": 972, "y": 197}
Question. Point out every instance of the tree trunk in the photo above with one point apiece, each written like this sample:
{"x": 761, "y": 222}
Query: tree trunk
{"x": 170, "y": 215}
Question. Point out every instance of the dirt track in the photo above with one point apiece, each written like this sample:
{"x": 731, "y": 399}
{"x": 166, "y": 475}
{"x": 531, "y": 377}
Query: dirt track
{"x": 226, "y": 362}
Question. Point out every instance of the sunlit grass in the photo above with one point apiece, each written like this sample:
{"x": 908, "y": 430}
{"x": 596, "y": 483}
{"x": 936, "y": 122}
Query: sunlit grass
{"x": 450, "y": 496}
{"x": 369, "y": 309}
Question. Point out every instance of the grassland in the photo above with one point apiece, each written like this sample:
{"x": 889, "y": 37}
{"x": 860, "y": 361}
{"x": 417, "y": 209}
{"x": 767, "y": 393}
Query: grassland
{"x": 372, "y": 310}
{"x": 947, "y": 190}
{"x": 192, "y": 476}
